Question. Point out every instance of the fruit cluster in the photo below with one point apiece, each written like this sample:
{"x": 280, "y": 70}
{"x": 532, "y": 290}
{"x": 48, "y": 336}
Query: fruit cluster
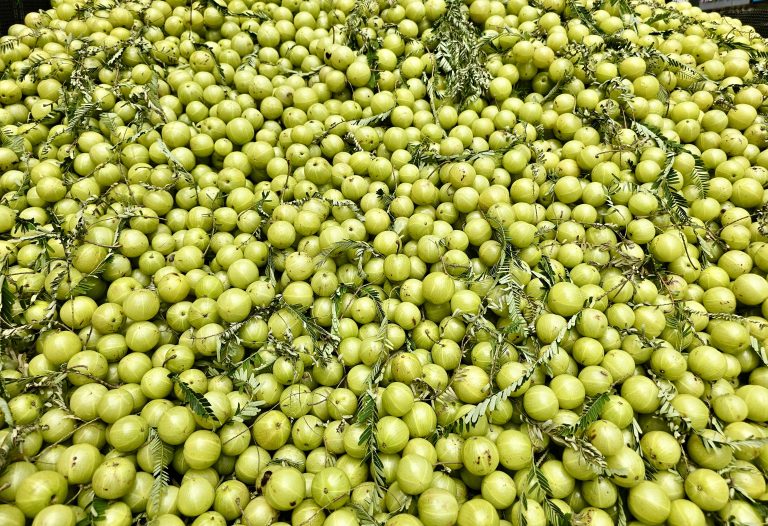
{"x": 383, "y": 262}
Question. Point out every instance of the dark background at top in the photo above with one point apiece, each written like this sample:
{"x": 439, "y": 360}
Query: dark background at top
{"x": 13, "y": 11}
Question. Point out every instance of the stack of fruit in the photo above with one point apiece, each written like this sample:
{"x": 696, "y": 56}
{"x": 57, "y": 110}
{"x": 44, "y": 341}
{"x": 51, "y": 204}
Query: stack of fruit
{"x": 383, "y": 262}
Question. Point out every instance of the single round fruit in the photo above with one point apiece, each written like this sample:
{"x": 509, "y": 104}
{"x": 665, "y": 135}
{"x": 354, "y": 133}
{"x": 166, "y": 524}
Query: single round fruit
{"x": 284, "y": 488}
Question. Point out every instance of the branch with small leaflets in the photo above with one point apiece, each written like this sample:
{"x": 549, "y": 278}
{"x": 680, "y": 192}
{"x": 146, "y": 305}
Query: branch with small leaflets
{"x": 368, "y": 416}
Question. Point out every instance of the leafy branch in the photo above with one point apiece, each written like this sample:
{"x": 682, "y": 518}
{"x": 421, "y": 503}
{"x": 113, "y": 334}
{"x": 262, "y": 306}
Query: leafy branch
{"x": 458, "y": 55}
{"x": 590, "y": 414}
{"x": 360, "y": 248}
{"x": 368, "y": 416}
{"x": 672, "y": 200}
{"x": 584, "y": 15}
{"x": 198, "y": 403}
{"x": 160, "y": 458}
{"x": 358, "y": 35}
{"x": 347, "y": 126}
{"x": 250, "y": 410}
{"x": 222, "y": 7}
{"x": 759, "y": 350}
{"x": 490, "y": 403}
{"x": 536, "y": 481}
{"x": 679, "y": 425}
{"x": 318, "y": 333}
{"x": 96, "y": 512}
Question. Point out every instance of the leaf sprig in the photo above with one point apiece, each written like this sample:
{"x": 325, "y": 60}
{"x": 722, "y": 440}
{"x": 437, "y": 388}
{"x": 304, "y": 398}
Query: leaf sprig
{"x": 198, "y": 403}
{"x": 590, "y": 414}
{"x": 160, "y": 459}
{"x": 458, "y": 55}
{"x": 490, "y": 403}
{"x": 368, "y": 416}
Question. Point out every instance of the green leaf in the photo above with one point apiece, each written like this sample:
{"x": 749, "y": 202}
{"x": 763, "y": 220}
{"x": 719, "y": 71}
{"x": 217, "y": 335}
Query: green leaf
{"x": 99, "y": 509}
{"x": 312, "y": 328}
{"x": 161, "y": 456}
{"x": 368, "y": 416}
{"x": 373, "y": 119}
{"x": 726, "y": 41}
{"x": 590, "y": 414}
{"x": 555, "y": 516}
{"x": 680, "y": 426}
{"x": 747, "y": 443}
{"x": 282, "y": 461}
{"x": 683, "y": 68}
{"x": 458, "y": 53}
{"x": 96, "y": 512}
{"x": 6, "y": 410}
{"x": 12, "y": 141}
{"x": 372, "y": 292}
{"x": 197, "y": 402}
{"x": 246, "y": 371}
{"x": 78, "y": 119}
{"x": 537, "y": 479}
{"x": 593, "y": 412}
{"x": 354, "y": 123}
{"x": 740, "y": 494}
{"x": 173, "y": 162}
{"x": 355, "y": 24}
{"x": 84, "y": 286}
{"x": 342, "y": 246}
{"x": 7, "y": 299}
{"x": 759, "y": 350}
{"x": 522, "y": 517}
{"x": 549, "y": 276}
{"x": 336, "y": 308}
{"x": 700, "y": 176}
{"x": 584, "y": 14}
{"x": 270, "y": 270}
{"x": 223, "y": 8}
{"x": 671, "y": 200}
{"x": 249, "y": 410}
{"x": 621, "y": 514}
{"x": 364, "y": 516}
{"x": 200, "y": 46}
{"x": 491, "y": 402}
{"x": 9, "y": 44}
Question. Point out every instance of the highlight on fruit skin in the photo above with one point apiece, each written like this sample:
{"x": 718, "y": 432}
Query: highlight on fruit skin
{"x": 391, "y": 263}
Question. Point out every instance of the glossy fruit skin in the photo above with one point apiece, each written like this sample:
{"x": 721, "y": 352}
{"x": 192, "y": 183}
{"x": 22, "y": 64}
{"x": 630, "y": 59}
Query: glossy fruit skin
{"x": 78, "y": 463}
{"x": 284, "y": 489}
{"x": 480, "y": 456}
{"x": 246, "y": 211}
{"x": 631, "y": 463}
{"x": 565, "y": 299}
{"x": 176, "y": 425}
{"x": 11, "y": 515}
{"x": 196, "y": 496}
{"x": 113, "y": 479}
{"x": 330, "y": 488}
{"x": 128, "y": 433}
{"x": 514, "y": 449}
{"x": 438, "y": 288}
{"x": 55, "y": 514}
{"x": 477, "y": 511}
{"x": 661, "y": 448}
{"x": 648, "y": 502}
{"x": 706, "y": 489}
{"x": 414, "y": 474}
{"x": 397, "y": 399}
{"x": 202, "y": 449}
{"x": 437, "y": 507}
{"x": 40, "y": 489}
{"x": 499, "y": 489}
